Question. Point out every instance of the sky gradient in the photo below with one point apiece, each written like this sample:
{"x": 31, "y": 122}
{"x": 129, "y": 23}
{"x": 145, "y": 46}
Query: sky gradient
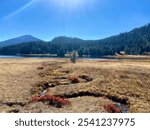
{"x": 86, "y": 19}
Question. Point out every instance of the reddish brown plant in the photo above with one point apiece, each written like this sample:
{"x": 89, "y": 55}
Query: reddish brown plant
{"x": 51, "y": 98}
{"x": 112, "y": 108}
{"x": 73, "y": 79}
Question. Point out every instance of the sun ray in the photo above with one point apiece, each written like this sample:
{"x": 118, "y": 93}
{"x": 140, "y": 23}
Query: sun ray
{"x": 71, "y": 4}
{"x": 19, "y": 10}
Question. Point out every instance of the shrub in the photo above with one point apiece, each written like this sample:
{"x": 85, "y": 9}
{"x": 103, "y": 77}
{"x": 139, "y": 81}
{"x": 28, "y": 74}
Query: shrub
{"x": 51, "y": 99}
{"x": 73, "y": 79}
{"x": 73, "y": 57}
{"x": 112, "y": 108}
{"x": 40, "y": 68}
{"x": 85, "y": 77}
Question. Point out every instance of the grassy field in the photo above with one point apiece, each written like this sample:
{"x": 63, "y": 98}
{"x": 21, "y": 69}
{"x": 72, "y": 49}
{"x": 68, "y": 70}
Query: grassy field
{"x": 89, "y": 85}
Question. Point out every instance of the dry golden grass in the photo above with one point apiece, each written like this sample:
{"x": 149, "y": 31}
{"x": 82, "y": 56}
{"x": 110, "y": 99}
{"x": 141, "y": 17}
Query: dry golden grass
{"x": 17, "y": 77}
{"x": 121, "y": 79}
{"x": 20, "y": 80}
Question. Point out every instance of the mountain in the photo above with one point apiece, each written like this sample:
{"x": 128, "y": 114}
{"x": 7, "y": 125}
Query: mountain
{"x": 136, "y": 41}
{"x": 21, "y": 39}
{"x": 64, "y": 39}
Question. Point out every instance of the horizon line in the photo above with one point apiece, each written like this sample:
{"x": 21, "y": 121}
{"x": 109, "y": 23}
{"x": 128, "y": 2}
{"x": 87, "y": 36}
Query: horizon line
{"x": 74, "y": 36}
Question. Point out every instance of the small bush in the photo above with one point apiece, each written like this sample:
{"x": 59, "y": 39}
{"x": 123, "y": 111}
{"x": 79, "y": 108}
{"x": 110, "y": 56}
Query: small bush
{"x": 52, "y": 99}
{"x": 73, "y": 57}
{"x": 85, "y": 77}
{"x": 73, "y": 79}
{"x": 40, "y": 68}
{"x": 112, "y": 108}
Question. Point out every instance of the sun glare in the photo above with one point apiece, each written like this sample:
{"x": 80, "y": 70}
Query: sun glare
{"x": 71, "y": 4}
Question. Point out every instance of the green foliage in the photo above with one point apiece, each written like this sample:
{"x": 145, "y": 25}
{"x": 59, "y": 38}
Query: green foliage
{"x": 135, "y": 42}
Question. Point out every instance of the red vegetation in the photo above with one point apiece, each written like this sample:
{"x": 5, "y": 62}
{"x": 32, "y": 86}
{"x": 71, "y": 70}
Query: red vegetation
{"x": 51, "y": 98}
{"x": 73, "y": 79}
{"x": 104, "y": 97}
{"x": 112, "y": 108}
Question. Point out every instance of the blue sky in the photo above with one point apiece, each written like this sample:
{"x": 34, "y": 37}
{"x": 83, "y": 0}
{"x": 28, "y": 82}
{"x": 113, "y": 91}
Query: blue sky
{"x": 86, "y": 19}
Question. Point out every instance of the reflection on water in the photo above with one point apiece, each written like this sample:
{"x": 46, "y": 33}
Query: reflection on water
{"x": 14, "y": 56}
{"x": 91, "y": 58}
{"x": 9, "y": 56}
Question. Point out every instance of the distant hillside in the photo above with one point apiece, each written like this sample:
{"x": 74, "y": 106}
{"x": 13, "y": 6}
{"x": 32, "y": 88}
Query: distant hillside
{"x": 64, "y": 39}
{"x": 21, "y": 39}
{"x": 134, "y": 42}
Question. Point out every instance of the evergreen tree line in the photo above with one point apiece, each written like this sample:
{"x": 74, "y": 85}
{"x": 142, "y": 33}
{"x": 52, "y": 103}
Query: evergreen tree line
{"x": 134, "y": 42}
